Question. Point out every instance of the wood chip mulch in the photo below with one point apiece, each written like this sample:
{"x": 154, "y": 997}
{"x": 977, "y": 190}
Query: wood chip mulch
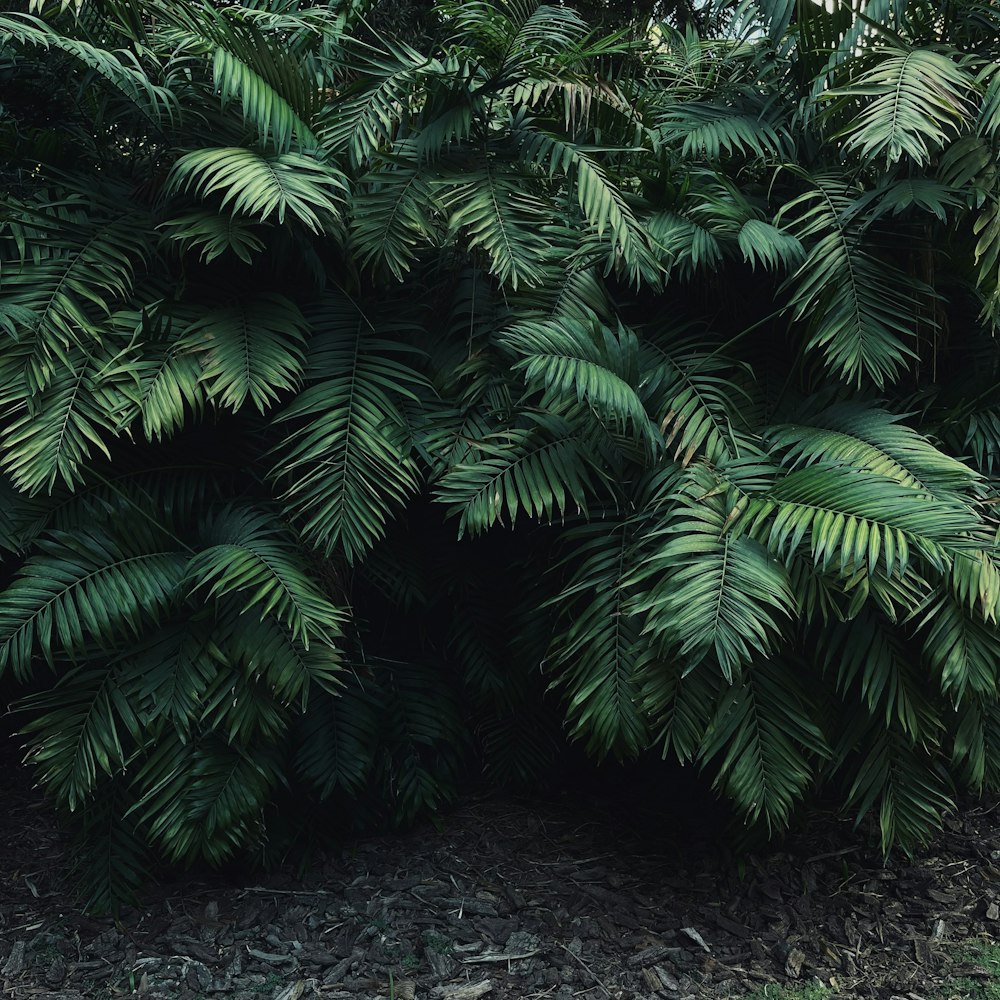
{"x": 512, "y": 899}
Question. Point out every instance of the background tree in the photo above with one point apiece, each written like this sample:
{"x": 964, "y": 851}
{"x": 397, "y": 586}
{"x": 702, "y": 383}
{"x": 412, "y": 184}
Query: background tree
{"x": 356, "y": 389}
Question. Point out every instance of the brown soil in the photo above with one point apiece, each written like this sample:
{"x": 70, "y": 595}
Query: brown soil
{"x": 510, "y": 899}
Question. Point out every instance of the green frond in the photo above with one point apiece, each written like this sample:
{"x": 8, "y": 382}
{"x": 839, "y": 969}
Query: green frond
{"x": 854, "y": 519}
{"x": 48, "y": 437}
{"x": 542, "y": 470}
{"x": 264, "y": 106}
{"x": 597, "y": 644}
{"x": 773, "y": 249}
{"x": 171, "y": 669}
{"x": 264, "y": 187}
{"x": 583, "y": 363}
{"x": 516, "y": 37}
{"x": 711, "y": 131}
{"x": 919, "y": 97}
{"x": 693, "y": 397}
{"x": 602, "y": 203}
{"x": 336, "y": 741}
{"x": 120, "y": 69}
{"x": 391, "y": 216}
{"x": 239, "y": 708}
{"x": 866, "y": 653}
{"x": 762, "y": 741}
{"x": 975, "y": 582}
{"x": 976, "y": 742}
{"x": 702, "y": 589}
{"x": 269, "y": 654}
{"x": 83, "y": 727}
{"x": 204, "y": 797}
{"x": 857, "y": 309}
{"x": 685, "y": 247}
{"x": 111, "y": 859}
{"x": 363, "y": 116}
{"x": 497, "y": 211}
{"x": 84, "y": 588}
{"x": 900, "y": 781}
{"x": 215, "y": 235}
{"x": 344, "y": 461}
{"x": 72, "y": 270}
{"x": 252, "y": 351}
{"x": 863, "y": 436}
{"x": 962, "y": 651}
{"x": 169, "y": 388}
{"x": 249, "y": 553}
{"x": 678, "y": 702}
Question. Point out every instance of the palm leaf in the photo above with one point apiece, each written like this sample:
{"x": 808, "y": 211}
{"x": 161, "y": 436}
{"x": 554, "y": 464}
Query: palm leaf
{"x": 542, "y": 470}
{"x": 762, "y": 739}
{"x": 704, "y": 590}
{"x": 253, "y": 351}
{"x": 83, "y": 588}
{"x": 595, "y": 649}
{"x": 346, "y": 455}
{"x": 920, "y": 96}
{"x": 250, "y": 554}
{"x": 263, "y": 187}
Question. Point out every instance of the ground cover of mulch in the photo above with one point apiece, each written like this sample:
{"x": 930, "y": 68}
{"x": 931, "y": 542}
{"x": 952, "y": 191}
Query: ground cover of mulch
{"x": 514, "y": 899}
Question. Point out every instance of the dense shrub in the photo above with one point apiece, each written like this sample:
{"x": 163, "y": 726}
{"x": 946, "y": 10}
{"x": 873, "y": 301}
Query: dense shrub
{"x": 355, "y": 394}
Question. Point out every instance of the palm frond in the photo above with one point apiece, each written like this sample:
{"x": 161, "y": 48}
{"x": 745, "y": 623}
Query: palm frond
{"x": 763, "y": 740}
{"x": 857, "y": 309}
{"x": 121, "y": 69}
{"x": 85, "y": 588}
{"x": 249, "y": 553}
{"x": 264, "y": 187}
{"x": 855, "y": 519}
{"x": 595, "y": 650}
{"x": 346, "y": 452}
{"x": 863, "y": 436}
{"x": 703, "y": 589}
{"x": 542, "y": 470}
{"x": 920, "y": 97}
{"x": 584, "y": 363}
{"x": 252, "y": 351}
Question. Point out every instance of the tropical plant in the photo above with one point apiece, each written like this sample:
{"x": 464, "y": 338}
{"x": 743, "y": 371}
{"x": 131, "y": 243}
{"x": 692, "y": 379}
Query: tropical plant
{"x": 366, "y": 402}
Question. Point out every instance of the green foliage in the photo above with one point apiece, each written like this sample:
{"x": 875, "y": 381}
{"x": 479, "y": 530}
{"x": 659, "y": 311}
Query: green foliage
{"x": 370, "y": 406}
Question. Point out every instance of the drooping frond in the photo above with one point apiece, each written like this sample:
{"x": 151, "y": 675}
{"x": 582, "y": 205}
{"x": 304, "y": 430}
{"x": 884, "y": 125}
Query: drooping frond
{"x": 391, "y": 216}
{"x": 595, "y": 653}
{"x": 865, "y": 653}
{"x": 203, "y": 797}
{"x": 121, "y": 69}
{"x": 264, "y": 187}
{"x": 863, "y": 436}
{"x": 497, "y": 211}
{"x": 584, "y": 363}
{"x": 703, "y": 589}
{"x": 761, "y": 740}
{"x": 47, "y": 438}
{"x": 694, "y": 398}
{"x": 542, "y": 470}
{"x": 84, "y": 588}
{"x": 83, "y": 727}
{"x": 215, "y": 235}
{"x": 250, "y": 352}
{"x": 856, "y": 308}
{"x": 250, "y": 555}
{"x": 920, "y": 96}
{"x": 344, "y": 463}
{"x": 897, "y": 779}
{"x": 855, "y": 520}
